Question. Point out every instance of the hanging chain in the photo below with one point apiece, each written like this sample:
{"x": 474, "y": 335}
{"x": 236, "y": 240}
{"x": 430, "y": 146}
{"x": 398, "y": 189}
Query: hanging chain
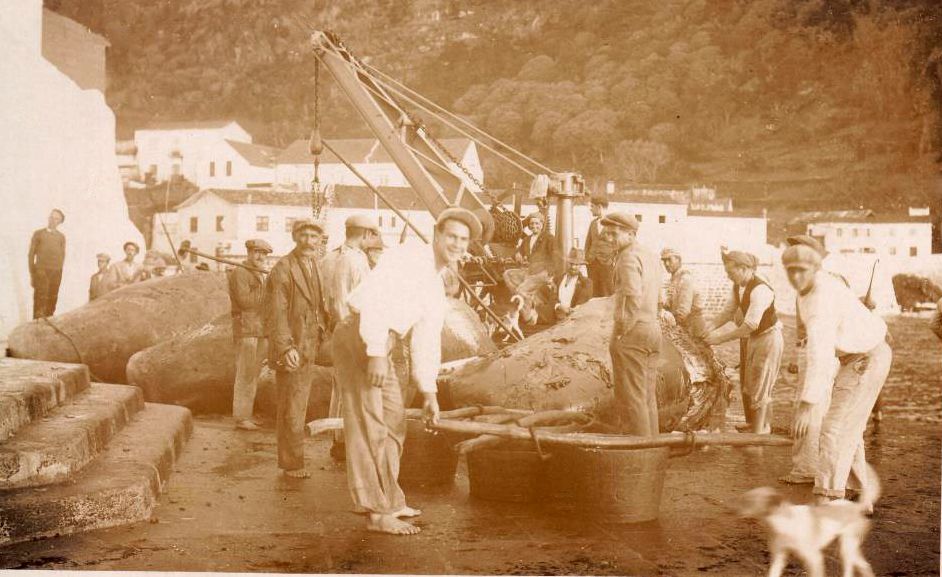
{"x": 316, "y": 147}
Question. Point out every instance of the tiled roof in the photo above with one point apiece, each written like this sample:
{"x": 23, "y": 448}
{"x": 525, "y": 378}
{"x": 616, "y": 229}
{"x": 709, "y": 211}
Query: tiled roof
{"x": 255, "y": 154}
{"x": 358, "y": 151}
{"x": 856, "y": 216}
{"x": 343, "y": 197}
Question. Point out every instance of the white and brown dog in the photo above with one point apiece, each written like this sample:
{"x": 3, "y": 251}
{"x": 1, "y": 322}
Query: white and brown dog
{"x": 806, "y": 530}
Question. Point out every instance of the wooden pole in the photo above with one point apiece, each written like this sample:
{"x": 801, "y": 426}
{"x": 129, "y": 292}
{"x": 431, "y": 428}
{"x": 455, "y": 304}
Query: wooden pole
{"x": 226, "y": 261}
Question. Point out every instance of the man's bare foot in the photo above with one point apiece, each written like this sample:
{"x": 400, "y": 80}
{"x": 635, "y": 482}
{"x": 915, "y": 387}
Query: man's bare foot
{"x": 407, "y": 512}
{"x": 298, "y": 474}
{"x": 391, "y": 525}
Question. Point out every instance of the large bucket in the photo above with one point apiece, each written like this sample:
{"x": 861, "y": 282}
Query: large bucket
{"x": 612, "y": 485}
{"x": 428, "y": 458}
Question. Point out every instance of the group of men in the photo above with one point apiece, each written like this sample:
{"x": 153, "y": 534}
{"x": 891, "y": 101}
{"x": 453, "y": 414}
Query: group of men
{"x": 46, "y": 260}
{"x": 359, "y": 311}
{"x": 846, "y": 345}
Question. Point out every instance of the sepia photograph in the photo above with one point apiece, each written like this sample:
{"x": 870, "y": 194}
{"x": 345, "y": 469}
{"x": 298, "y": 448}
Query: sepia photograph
{"x": 471, "y": 287}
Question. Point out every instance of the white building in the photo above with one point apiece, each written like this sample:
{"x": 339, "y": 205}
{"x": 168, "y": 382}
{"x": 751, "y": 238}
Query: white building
{"x": 220, "y": 221}
{"x": 166, "y": 149}
{"x": 295, "y": 165}
{"x": 230, "y": 164}
{"x": 894, "y": 236}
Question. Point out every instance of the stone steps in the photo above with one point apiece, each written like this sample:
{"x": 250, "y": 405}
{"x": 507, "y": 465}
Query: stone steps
{"x": 118, "y": 487}
{"x": 68, "y": 438}
{"x": 30, "y": 389}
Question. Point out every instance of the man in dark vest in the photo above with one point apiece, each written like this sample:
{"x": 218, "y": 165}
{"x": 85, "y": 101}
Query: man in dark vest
{"x": 46, "y": 256}
{"x": 599, "y": 252}
{"x": 751, "y": 308}
{"x": 297, "y": 322}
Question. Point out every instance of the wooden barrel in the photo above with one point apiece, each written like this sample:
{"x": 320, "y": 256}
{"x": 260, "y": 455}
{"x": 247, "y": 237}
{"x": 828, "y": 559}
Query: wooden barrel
{"x": 613, "y": 485}
{"x": 428, "y": 459}
{"x": 513, "y": 473}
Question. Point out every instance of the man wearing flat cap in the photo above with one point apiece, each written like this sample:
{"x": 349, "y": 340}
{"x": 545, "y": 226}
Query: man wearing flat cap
{"x": 599, "y": 253}
{"x": 636, "y": 336}
{"x": 403, "y": 298}
{"x": 99, "y": 283}
{"x": 684, "y": 303}
{"x": 297, "y": 320}
{"x": 838, "y": 325}
{"x": 751, "y": 309}
{"x": 343, "y": 268}
{"x": 247, "y": 299}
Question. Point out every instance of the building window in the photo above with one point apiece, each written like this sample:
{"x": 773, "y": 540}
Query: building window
{"x": 892, "y": 250}
{"x": 219, "y": 223}
{"x": 393, "y": 222}
{"x": 194, "y": 224}
{"x": 212, "y": 169}
{"x": 855, "y": 232}
{"x": 840, "y": 232}
{"x": 638, "y": 217}
{"x": 661, "y": 218}
{"x": 868, "y": 250}
{"x": 381, "y": 221}
{"x": 913, "y": 251}
{"x": 867, "y": 231}
{"x": 289, "y": 223}
{"x": 228, "y": 168}
{"x": 261, "y": 223}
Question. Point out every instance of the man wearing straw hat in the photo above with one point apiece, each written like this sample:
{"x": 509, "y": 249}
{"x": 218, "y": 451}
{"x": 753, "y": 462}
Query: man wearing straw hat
{"x": 636, "y": 337}
{"x": 402, "y": 298}
{"x": 751, "y": 308}
{"x": 838, "y": 324}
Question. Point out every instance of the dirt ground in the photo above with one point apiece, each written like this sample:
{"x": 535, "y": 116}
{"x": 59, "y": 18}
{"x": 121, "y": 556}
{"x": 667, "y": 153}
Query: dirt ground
{"x": 227, "y": 509}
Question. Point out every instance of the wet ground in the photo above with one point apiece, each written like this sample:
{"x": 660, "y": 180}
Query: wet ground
{"x": 227, "y": 509}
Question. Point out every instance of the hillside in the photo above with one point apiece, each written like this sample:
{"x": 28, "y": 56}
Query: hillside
{"x": 796, "y": 101}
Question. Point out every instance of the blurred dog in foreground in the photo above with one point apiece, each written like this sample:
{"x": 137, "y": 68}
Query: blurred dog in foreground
{"x": 805, "y": 530}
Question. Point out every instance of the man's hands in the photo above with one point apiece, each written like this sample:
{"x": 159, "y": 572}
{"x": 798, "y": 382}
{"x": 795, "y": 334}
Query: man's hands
{"x": 291, "y": 359}
{"x": 668, "y": 318}
{"x": 430, "y": 410}
{"x": 712, "y": 339}
{"x": 376, "y": 370}
{"x": 802, "y": 420}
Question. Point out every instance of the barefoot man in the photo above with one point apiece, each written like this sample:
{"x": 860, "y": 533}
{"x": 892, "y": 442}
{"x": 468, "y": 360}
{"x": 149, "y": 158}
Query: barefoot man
{"x": 402, "y": 298}
{"x": 837, "y": 324}
{"x": 297, "y": 321}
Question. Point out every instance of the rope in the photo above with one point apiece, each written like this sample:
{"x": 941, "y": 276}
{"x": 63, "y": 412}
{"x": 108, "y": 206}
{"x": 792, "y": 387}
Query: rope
{"x": 75, "y": 348}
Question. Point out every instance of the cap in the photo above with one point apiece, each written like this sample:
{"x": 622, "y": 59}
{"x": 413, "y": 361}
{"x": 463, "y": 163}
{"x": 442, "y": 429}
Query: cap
{"x": 257, "y": 244}
{"x": 669, "y": 253}
{"x": 621, "y": 220}
{"x": 373, "y": 243}
{"x": 103, "y": 256}
{"x": 576, "y": 256}
{"x": 464, "y": 215}
{"x": 306, "y": 223}
{"x": 361, "y": 221}
{"x": 809, "y": 241}
{"x": 801, "y": 256}
{"x": 740, "y": 258}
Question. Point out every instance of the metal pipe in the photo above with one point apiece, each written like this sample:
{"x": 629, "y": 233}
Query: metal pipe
{"x": 226, "y": 261}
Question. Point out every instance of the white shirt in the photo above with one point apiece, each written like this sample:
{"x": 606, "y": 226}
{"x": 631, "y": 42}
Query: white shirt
{"x": 567, "y": 289}
{"x": 837, "y": 324}
{"x": 405, "y": 292}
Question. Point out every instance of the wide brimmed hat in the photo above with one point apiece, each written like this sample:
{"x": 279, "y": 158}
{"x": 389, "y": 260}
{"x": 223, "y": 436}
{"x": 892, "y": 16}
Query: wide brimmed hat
{"x": 462, "y": 215}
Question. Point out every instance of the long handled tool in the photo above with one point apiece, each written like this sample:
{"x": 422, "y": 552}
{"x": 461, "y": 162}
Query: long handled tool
{"x": 225, "y": 261}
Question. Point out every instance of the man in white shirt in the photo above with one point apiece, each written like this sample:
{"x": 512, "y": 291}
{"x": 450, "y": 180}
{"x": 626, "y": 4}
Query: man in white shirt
{"x": 838, "y": 325}
{"x": 572, "y": 288}
{"x": 343, "y": 269}
{"x": 402, "y": 298}
{"x": 751, "y": 308}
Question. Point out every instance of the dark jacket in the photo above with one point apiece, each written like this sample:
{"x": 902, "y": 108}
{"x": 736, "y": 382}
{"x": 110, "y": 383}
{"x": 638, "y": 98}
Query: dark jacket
{"x": 247, "y": 295}
{"x": 547, "y": 313}
{"x": 46, "y": 250}
{"x": 296, "y": 315}
{"x": 597, "y": 249}
{"x": 543, "y": 256}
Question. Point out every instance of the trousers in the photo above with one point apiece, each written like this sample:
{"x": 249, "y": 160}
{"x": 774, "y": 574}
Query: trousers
{"x": 250, "y": 352}
{"x": 45, "y": 291}
{"x": 763, "y": 359}
{"x": 805, "y": 449}
{"x": 293, "y": 391}
{"x": 336, "y": 406}
{"x": 601, "y": 276}
{"x": 374, "y": 423}
{"x": 841, "y": 446}
{"x": 635, "y": 358}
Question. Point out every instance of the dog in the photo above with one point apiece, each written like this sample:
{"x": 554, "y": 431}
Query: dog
{"x": 805, "y": 530}
{"x": 519, "y": 308}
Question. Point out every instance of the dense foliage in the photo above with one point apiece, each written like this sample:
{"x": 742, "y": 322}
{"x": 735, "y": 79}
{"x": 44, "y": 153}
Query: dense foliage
{"x": 801, "y": 100}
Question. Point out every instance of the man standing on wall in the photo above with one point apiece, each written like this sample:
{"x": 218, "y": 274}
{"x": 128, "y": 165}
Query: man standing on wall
{"x": 598, "y": 251}
{"x": 403, "y": 298}
{"x": 751, "y": 308}
{"x": 46, "y": 257}
{"x": 297, "y": 322}
{"x": 636, "y": 336}
{"x": 247, "y": 295}
{"x": 344, "y": 268}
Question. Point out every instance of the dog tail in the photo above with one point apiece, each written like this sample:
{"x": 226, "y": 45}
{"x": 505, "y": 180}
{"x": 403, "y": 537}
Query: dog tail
{"x": 871, "y": 487}
{"x": 517, "y": 300}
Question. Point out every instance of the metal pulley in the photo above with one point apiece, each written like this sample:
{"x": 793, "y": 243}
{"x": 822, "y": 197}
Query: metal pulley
{"x": 316, "y": 143}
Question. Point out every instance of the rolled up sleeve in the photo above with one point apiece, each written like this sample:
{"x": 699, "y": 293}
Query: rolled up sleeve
{"x": 761, "y": 299}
